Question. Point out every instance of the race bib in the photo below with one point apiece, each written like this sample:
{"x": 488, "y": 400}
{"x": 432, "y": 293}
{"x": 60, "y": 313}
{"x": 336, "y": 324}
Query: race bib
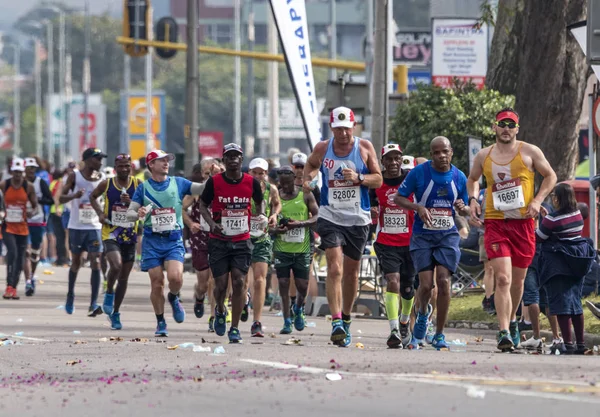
{"x": 119, "y": 217}
{"x": 87, "y": 214}
{"x": 257, "y": 226}
{"x": 395, "y": 221}
{"x": 344, "y": 194}
{"x": 14, "y": 214}
{"x": 234, "y": 222}
{"x": 508, "y": 195}
{"x": 163, "y": 219}
{"x": 294, "y": 235}
{"x": 441, "y": 219}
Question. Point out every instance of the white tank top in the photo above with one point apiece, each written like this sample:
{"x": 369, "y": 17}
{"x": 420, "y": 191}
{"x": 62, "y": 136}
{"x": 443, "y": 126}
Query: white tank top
{"x": 83, "y": 216}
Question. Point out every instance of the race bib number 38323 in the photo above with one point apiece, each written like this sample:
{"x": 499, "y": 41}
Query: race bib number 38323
{"x": 395, "y": 221}
{"x": 441, "y": 219}
{"x": 508, "y": 195}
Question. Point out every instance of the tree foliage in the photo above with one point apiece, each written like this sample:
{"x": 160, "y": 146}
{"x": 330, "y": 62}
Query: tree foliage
{"x": 455, "y": 113}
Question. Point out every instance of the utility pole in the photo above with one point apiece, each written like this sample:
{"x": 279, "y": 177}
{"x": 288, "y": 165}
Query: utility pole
{"x": 332, "y": 37}
{"x": 237, "y": 108}
{"x": 63, "y": 147}
{"x": 368, "y": 125}
{"x": 50, "y": 75}
{"x": 273, "y": 91}
{"x": 250, "y": 83}
{"x": 86, "y": 75}
{"x": 17, "y": 100}
{"x": 39, "y": 146}
{"x": 124, "y": 145}
{"x": 149, "y": 134}
{"x": 380, "y": 87}
{"x": 192, "y": 78}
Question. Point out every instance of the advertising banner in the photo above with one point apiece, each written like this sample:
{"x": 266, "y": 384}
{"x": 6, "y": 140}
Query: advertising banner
{"x": 413, "y": 48}
{"x": 96, "y": 129}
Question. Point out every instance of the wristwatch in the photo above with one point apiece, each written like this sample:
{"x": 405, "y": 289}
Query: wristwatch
{"x": 361, "y": 178}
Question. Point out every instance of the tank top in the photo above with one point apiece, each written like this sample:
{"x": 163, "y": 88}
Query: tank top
{"x": 510, "y": 187}
{"x": 344, "y": 202}
{"x": 231, "y": 207}
{"x": 255, "y": 231}
{"x": 122, "y": 230}
{"x": 294, "y": 240}
{"x": 16, "y": 201}
{"x": 394, "y": 226}
{"x": 165, "y": 215}
{"x": 38, "y": 219}
{"x": 83, "y": 216}
{"x": 200, "y": 239}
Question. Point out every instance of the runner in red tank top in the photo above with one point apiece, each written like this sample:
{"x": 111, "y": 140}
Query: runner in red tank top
{"x": 394, "y": 229}
{"x": 229, "y": 247}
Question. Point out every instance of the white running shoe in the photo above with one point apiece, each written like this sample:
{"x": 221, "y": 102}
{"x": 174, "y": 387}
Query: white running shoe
{"x": 532, "y": 344}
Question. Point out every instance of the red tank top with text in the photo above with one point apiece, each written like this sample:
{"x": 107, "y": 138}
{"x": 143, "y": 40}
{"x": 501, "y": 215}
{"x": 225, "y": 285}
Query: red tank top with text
{"x": 231, "y": 207}
{"x": 395, "y": 223}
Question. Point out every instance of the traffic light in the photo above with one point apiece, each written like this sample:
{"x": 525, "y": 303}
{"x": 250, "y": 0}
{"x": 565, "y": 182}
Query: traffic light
{"x": 136, "y": 22}
{"x": 166, "y": 31}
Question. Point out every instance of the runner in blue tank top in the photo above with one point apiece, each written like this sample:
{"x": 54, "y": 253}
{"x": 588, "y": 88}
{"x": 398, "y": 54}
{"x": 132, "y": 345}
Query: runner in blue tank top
{"x": 441, "y": 191}
{"x": 350, "y": 167}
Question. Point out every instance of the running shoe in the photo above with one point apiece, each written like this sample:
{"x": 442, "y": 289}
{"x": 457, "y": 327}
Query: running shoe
{"x": 115, "y": 321}
{"x": 414, "y": 343}
{"x": 532, "y": 344}
{"x": 178, "y": 311}
{"x": 439, "y": 341}
{"x": 338, "y": 334}
{"x": 299, "y": 318}
{"x": 287, "y": 326}
{"x": 580, "y": 349}
{"x": 256, "y": 330}
{"x": 505, "y": 341}
{"x": 8, "y": 293}
{"x": 405, "y": 333}
{"x": 394, "y": 341}
{"x": 69, "y": 305}
{"x": 555, "y": 342}
{"x": 420, "y": 329}
{"x": 348, "y": 339}
{"x": 523, "y": 326}
{"x": 211, "y": 324}
{"x": 430, "y": 332}
{"x": 14, "y": 295}
{"x": 94, "y": 310}
{"x": 515, "y": 334}
{"x": 234, "y": 335}
{"x": 161, "y": 329}
{"x": 245, "y": 314}
{"x": 220, "y": 323}
{"x": 199, "y": 308}
{"x": 30, "y": 287}
{"x": 107, "y": 304}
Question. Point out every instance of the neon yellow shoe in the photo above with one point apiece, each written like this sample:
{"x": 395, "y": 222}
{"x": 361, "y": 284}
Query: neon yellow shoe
{"x": 228, "y": 320}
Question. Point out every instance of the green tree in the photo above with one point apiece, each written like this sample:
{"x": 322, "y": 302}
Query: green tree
{"x": 455, "y": 113}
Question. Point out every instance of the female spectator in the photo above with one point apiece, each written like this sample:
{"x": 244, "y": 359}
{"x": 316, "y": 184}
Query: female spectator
{"x": 565, "y": 259}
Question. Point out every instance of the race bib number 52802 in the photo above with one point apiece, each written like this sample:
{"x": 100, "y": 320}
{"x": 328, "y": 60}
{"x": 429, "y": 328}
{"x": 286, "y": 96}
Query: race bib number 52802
{"x": 343, "y": 194}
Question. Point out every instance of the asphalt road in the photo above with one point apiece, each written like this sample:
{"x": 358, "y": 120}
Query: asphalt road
{"x": 63, "y": 365}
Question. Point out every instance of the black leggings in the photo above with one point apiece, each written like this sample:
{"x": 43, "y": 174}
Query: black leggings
{"x": 15, "y": 253}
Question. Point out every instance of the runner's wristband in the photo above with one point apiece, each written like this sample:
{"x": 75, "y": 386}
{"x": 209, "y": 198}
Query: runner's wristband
{"x": 471, "y": 198}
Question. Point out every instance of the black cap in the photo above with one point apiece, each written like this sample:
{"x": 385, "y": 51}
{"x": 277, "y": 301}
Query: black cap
{"x": 92, "y": 152}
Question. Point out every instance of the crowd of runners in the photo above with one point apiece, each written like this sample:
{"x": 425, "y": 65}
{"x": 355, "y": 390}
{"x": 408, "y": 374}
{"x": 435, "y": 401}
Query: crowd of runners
{"x": 239, "y": 224}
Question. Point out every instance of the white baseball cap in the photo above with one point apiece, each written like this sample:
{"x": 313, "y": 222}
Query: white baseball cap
{"x": 342, "y": 117}
{"x": 259, "y": 163}
{"x": 408, "y": 162}
{"x": 18, "y": 164}
{"x": 299, "y": 158}
{"x": 31, "y": 162}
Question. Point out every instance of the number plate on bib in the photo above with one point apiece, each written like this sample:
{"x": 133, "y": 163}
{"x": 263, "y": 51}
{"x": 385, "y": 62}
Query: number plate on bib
{"x": 395, "y": 222}
{"x": 163, "y": 220}
{"x": 441, "y": 219}
{"x": 119, "y": 217}
{"x": 14, "y": 214}
{"x": 343, "y": 194}
{"x": 87, "y": 214}
{"x": 294, "y": 235}
{"x": 234, "y": 222}
{"x": 256, "y": 227}
{"x": 508, "y": 195}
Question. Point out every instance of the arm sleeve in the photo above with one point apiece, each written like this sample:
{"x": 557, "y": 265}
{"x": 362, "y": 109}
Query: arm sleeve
{"x": 46, "y": 199}
{"x": 138, "y": 196}
{"x": 373, "y": 198}
{"x": 184, "y": 185}
{"x": 132, "y": 211}
{"x": 197, "y": 188}
{"x": 409, "y": 184}
{"x": 209, "y": 192}
{"x": 257, "y": 194}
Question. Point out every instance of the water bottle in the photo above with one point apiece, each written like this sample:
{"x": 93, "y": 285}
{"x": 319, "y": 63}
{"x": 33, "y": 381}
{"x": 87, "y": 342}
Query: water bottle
{"x": 314, "y": 183}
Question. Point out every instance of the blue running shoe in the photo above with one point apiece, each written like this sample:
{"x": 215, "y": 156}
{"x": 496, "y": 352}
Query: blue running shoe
{"x": 234, "y": 335}
{"x": 220, "y": 323}
{"x": 30, "y": 287}
{"x": 287, "y": 326}
{"x": 199, "y": 308}
{"x": 515, "y": 334}
{"x": 299, "y": 318}
{"x": 107, "y": 304}
{"x": 69, "y": 305}
{"x": 115, "y": 321}
{"x": 178, "y": 311}
{"x": 439, "y": 341}
{"x": 338, "y": 334}
{"x": 420, "y": 329}
{"x": 161, "y": 329}
{"x": 414, "y": 343}
{"x": 348, "y": 339}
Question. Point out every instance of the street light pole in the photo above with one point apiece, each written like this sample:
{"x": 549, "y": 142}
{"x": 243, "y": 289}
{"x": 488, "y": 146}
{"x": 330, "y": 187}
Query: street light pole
{"x": 38, "y": 98}
{"x": 192, "y": 74}
{"x": 237, "y": 108}
{"x": 86, "y": 75}
{"x": 50, "y": 74}
{"x": 17, "y": 99}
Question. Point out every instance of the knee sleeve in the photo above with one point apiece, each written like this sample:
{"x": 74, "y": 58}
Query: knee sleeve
{"x": 407, "y": 288}
{"x": 34, "y": 255}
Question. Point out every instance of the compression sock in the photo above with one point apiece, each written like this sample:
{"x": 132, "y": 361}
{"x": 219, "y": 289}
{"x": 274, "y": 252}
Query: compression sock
{"x": 95, "y": 283}
{"x": 346, "y": 317}
{"x": 72, "y": 280}
{"x": 336, "y": 316}
{"x": 407, "y": 306}
{"x": 160, "y": 317}
{"x": 392, "y": 304}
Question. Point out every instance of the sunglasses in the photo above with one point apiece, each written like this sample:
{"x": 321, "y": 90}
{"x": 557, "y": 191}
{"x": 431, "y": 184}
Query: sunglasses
{"x": 122, "y": 156}
{"x": 510, "y": 125}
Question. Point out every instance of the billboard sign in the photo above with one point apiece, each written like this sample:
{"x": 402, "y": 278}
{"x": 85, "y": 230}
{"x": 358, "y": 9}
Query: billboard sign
{"x": 290, "y": 120}
{"x": 133, "y": 122}
{"x": 96, "y": 126}
{"x": 210, "y": 144}
{"x": 413, "y": 48}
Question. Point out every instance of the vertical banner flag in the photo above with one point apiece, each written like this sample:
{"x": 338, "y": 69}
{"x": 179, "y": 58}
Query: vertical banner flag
{"x": 290, "y": 19}
{"x": 474, "y": 145}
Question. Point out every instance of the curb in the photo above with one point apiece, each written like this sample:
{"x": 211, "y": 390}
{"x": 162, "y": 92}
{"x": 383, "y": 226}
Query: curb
{"x": 591, "y": 339}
